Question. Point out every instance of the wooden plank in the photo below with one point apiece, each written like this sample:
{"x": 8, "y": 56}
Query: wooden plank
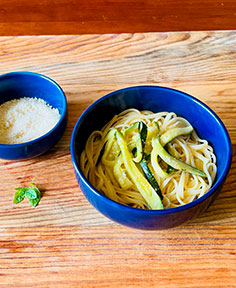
{"x": 114, "y": 16}
{"x": 114, "y": 256}
{"x": 65, "y": 242}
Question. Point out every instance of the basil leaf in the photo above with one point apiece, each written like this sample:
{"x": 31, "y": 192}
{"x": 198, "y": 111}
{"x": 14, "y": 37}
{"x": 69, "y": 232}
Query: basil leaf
{"x": 19, "y": 195}
{"x": 30, "y": 193}
{"x": 34, "y": 202}
{"x": 37, "y": 191}
{"x": 20, "y": 188}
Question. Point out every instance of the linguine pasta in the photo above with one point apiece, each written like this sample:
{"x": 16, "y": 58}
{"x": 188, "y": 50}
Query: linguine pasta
{"x": 107, "y": 172}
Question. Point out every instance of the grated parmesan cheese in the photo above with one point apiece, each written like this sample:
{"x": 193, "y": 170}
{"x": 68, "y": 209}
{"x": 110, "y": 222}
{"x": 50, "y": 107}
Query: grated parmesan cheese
{"x": 26, "y": 119}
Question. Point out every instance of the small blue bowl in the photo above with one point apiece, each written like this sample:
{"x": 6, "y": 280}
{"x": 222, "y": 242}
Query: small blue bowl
{"x": 156, "y": 99}
{"x": 26, "y": 84}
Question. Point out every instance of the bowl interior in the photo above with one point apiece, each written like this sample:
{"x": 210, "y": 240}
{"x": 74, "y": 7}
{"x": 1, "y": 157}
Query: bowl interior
{"x": 204, "y": 120}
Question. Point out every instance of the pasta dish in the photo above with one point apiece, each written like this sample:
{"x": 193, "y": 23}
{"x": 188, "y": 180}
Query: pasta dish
{"x": 149, "y": 160}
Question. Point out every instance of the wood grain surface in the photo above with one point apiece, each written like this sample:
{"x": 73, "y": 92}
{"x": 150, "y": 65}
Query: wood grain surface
{"x": 47, "y": 17}
{"x": 65, "y": 242}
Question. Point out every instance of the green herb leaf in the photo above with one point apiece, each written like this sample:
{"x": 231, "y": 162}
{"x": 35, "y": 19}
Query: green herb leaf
{"x": 19, "y": 195}
{"x": 31, "y": 193}
{"x": 34, "y": 202}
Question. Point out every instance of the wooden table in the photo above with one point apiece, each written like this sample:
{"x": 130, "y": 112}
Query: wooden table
{"x": 65, "y": 242}
{"x": 47, "y": 17}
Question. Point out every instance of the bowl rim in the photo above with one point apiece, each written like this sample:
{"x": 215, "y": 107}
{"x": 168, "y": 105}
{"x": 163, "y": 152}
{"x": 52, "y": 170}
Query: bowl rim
{"x": 62, "y": 115}
{"x": 115, "y": 204}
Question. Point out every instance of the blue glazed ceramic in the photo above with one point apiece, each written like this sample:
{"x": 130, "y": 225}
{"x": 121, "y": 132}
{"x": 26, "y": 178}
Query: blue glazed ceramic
{"x": 154, "y": 98}
{"x": 26, "y": 84}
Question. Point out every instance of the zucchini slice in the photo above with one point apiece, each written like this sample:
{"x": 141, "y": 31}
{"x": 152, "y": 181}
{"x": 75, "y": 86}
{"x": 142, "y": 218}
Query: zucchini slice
{"x": 101, "y": 154}
{"x": 150, "y": 177}
{"x": 108, "y": 141}
{"x": 173, "y": 133}
{"x": 155, "y": 164}
{"x": 143, "y": 186}
{"x": 120, "y": 174}
{"x": 140, "y": 129}
{"x": 172, "y": 161}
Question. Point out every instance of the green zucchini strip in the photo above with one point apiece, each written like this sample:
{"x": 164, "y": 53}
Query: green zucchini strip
{"x": 172, "y": 161}
{"x": 131, "y": 128}
{"x": 154, "y": 158}
{"x": 173, "y": 133}
{"x": 150, "y": 177}
{"x": 108, "y": 141}
{"x": 120, "y": 174}
{"x": 141, "y": 135}
{"x": 143, "y": 186}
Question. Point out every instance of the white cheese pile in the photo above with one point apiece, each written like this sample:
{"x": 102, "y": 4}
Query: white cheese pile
{"x": 25, "y": 119}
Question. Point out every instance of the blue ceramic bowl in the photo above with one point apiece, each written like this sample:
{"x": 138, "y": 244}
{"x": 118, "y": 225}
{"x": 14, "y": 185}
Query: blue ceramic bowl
{"x": 26, "y": 84}
{"x": 207, "y": 124}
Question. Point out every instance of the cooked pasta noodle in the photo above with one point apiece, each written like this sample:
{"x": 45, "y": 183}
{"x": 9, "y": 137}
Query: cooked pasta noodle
{"x": 110, "y": 176}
